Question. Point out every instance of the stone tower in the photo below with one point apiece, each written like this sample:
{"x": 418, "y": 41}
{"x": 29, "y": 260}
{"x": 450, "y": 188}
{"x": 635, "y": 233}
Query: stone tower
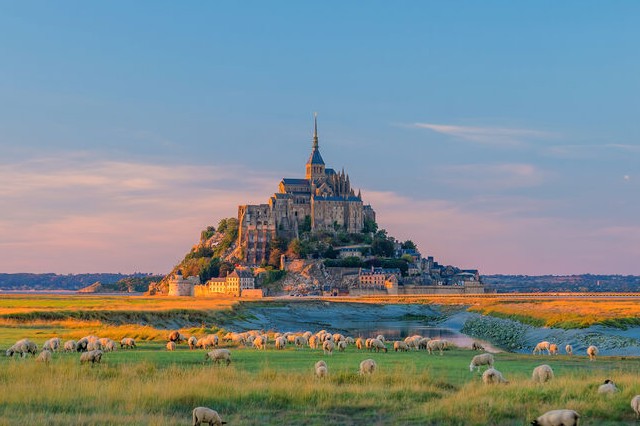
{"x": 315, "y": 163}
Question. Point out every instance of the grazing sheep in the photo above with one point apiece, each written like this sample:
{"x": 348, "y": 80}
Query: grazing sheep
{"x": 23, "y": 347}
{"x": 52, "y": 344}
{"x": 482, "y": 359}
{"x": 553, "y": 349}
{"x": 327, "y": 347}
{"x": 206, "y": 415}
{"x": 307, "y": 334}
{"x": 400, "y": 346}
{"x": 108, "y": 345}
{"x": 492, "y": 376}
{"x": 592, "y": 351}
{"x": 171, "y": 346}
{"x": 45, "y": 356}
{"x": 281, "y": 342}
{"x": 569, "y": 350}
{"x": 127, "y": 342}
{"x": 350, "y": 340}
{"x": 91, "y": 356}
{"x": 217, "y": 355}
{"x": 94, "y": 345}
{"x": 368, "y": 366}
{"x": 424, "y": 343}
{"x": 359, "y": 343}
{"x": 192, "y": 342}
{"x": 477, "y": 347}
{"x": 300, "y": 341}
{"x": 81, "y": 345}
{"x": 367, "y": 343}
{"x": 635, "y": 404}
{"x": 342, "y": 345}
{"x": 260, "y": 343}
{"x": 378, "y": 345}
{"x": 177, "y": 337}
{"x": 321, "y": 369}
{"x": 337, "y": 337}
{"x": 608, "y": 387}
{"x": 557, "y": 418}
{"x": 542, "y": 374}
{"x": 440, "y": 345}
{"x": 70, "y": 346}
{"x": 313, "y": 341}
{"x": 542, "y": 346}
{"x": 380, "y": 337}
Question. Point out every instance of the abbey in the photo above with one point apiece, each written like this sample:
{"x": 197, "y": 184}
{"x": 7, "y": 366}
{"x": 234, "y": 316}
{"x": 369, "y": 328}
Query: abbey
{"x": 323, "y": 200}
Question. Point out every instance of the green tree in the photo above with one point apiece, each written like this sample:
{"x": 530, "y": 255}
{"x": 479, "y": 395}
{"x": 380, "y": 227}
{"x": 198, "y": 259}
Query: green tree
{"x": 409, "y": 245}
{"x": 370, "y": 225}
{"x": 305, "y": 225}
{"x": 294, "y": 250}
{"x": 274, "y": 257}
{"x": 211, "y": 270}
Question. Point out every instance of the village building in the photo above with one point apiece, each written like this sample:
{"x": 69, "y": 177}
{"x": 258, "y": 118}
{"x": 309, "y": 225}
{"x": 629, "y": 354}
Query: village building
{"x": 237, "y": 283}
{"x": 180, "y": 286}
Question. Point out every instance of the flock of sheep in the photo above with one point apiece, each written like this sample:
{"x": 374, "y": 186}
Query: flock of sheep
{"x": 92, "y": 349}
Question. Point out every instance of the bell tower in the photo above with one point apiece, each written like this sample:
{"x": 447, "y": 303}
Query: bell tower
{"x": 315, "y": 163}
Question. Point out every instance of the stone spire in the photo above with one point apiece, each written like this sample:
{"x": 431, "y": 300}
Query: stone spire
{"x": 315, "y": 130}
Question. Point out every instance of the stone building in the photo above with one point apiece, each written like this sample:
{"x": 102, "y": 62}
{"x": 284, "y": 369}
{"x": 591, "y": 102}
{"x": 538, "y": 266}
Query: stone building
{"x": 234, "y": 284}
{"x": 323, "y": 200}
{"x": 180, "y": 286}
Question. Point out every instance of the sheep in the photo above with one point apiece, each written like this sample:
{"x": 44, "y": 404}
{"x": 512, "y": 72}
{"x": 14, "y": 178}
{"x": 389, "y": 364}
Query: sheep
{"x": 424, "y": 343}
{"x": 127, "y": 342}
{"x": 52, "y": 344}
{"x": 482, "y": 359}
{"x": 477, "y": 347}
{"x": 378, "y": 345}
{"x": 171, "y": 346}
{"x": 206, "y": 415}
{"x": 108, "y": 345}
{"x": 300, "y": 341}
{"x": 321, "y": 369}
{"x": 70, "y": 346}
{"x": 217, "y": 355}
{"x": 337, "y": 337}
{"x": 608, "y": 387}
{"x": 569, "y": 350}
{"x": 542, "y": 374}
{"x": 557, "y": 418}
{"x": 313, "y": 341}
{"x": 368, "y": 366}
{"x": 342, "y": 345}
{"x": 94, "y": 345}
{"x": 592, "y": 351}
{"x": 492, "y": 376}
{"x": 635, "y": 404}
{"x": 349, "y": 340}
{"x": 359, "y": 343}
{"x": 176, "y": 336}
{"x": 307, "y": 334}
{"x": 260, "y": 343}
{"x": 400, "y": 346}
{"x": 291, "y": 338}
{"x": 281, "y": 342}
{"x": 380, "y": 337}
{"x": 553, "y": 349}
{"x": 208, "y": 341}
{"x": 81, "y": 345}
{"x": 440, "y": 345}
{"x": 542, "y": 346}
{"x": 327, "y": 347}
{"x": 91, "y": 356}
{"x": 45, "y": 356}
{"x": 367, "y": 343}
{"x": 23, "y": 347}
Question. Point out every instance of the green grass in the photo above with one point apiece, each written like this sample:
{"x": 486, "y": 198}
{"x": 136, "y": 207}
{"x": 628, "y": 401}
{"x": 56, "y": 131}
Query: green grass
{"x": 153, "y": 386}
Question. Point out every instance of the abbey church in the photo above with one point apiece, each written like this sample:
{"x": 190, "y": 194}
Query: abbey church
{"x": 324, "y": 200}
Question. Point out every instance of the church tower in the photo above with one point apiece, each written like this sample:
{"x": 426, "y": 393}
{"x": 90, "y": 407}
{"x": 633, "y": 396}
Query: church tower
{"x": 315, "y": 163}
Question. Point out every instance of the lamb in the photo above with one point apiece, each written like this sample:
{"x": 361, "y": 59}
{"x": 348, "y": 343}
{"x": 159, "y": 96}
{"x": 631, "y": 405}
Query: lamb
{"x": 206, "y": 415}
{"x": 542, "y": 346}
{"x": 492, "y": 376}
{"x": 542, "y": 374}
{"x": 321, "y": 369}
{"x": 608, "y": 387}
{"x": 327, "y": 347}
{"x": 482, "y": 359}
{"x": 171, "y": 346}
{"x": 440, "y": 345}
{"x": 400, "y": 346}
{"x": 281, "y": 342}
{"x": 553, "y": 349}
{"x": 569, "y": 350}
{"x": 70, "y": 346}
{"x": 368, "y": 366}
{"x": 217, "y": 355}
{"x": 91, "y": 356}
{"x": 592, "y": 351}
{"x": 127, "y": 342}
{"x": 378, "y": 345}
{"x": 45, "y": 356}
{"x": 557, "y": 418}
{"x": 635, "y": 404}
{"x": 52, "y": 344}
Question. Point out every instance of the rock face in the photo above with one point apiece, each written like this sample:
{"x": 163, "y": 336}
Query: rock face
{"x": 93, "y": 288}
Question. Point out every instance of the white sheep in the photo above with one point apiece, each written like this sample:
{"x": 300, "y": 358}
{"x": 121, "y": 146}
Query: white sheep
{"x": 608, "y": 387}
{"x": 635, "y": 404}
{"x": 91, "y": 356}
{"x": 378, "y": 345}
{"x": 492, "y": 376}
{"x": 321, "y": 369}
{"x": 542, "y": 346}
{"x": 171, "y": 346}
{"x": 380, "y": 337}
{"x": 424, "y": 343}
{"x": 108, "y": 345}
{"x": 542, "y": 374}
{"x": 281, "y": 342}
{"x": 70, "y": 346}
{"x": 45, "y": 356}
{"x": 401, "y": 346}
{"x": 260, "y": 343}
{"x": 359, "y": 343}
{"x": 192, "y": 342}
{"x": 368, "y": 366}
{"x": 300, "y": 341}
{"x": 569, "y": 350}
{"x": 553, "y": 349}
{"x": 206, "y": 415}
{"x": 438, "y": 344}
{"x": 52, "y": 344}
{"x": 592, "y": 351}
{"x": 94, "y": 345}
{"x": 557, "y": 418}
{"x": 327, "y": 347}
{"x": 23, "y": 347}
{"x": 482, "y": 359}
{"x": 128, "y": 342}
{"x": 176, "y": 336}
{"x": 218, "y": 355}
{"x": 313, "y": 341}
{"x": 342, "y": 345}
{"x": 349, "y": 340}
{"x": 337, "y": 337}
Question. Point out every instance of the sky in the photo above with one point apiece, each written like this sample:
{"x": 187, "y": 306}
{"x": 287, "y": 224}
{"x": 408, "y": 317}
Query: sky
{"x": 501, "y": 136}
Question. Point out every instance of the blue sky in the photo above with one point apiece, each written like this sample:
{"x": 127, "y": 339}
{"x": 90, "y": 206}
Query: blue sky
{"x": 497, "y": 135}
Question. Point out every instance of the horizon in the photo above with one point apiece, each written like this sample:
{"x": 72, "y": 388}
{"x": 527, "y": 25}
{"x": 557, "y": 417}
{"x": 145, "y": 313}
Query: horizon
{"x": 500, "y": 137}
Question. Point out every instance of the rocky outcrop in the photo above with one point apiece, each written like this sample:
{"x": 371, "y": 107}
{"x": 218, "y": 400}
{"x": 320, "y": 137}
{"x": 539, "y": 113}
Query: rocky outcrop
{"x": 93, "y": 288}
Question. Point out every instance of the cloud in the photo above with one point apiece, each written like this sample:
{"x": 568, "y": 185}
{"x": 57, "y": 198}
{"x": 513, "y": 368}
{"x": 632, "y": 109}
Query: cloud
{"x": 498, "y": 136}
{"x": 492, "y": 176}
{"x": 591, "y": 150}
{"x": 77, "y": 213}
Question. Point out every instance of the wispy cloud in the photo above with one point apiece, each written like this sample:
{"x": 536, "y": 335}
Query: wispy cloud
{"x": 492, "y": 176}
{"x": 499, "y": 136}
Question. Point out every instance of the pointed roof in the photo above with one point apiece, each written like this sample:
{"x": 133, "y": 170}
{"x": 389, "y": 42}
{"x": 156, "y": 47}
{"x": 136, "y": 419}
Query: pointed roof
{"x": 315, "y": 157}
